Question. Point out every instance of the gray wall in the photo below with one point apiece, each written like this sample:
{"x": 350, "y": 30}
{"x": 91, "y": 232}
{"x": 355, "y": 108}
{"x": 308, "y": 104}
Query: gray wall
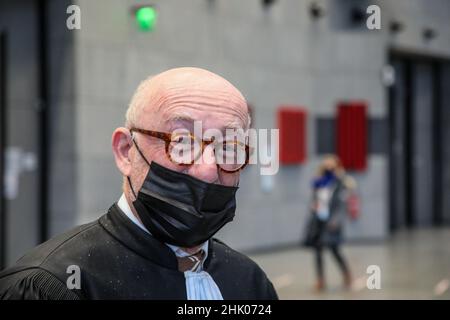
{"x": 275, "y": 57}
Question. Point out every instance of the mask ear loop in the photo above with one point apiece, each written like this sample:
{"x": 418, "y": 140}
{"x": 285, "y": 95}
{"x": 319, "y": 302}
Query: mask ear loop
{"x": 131, "y": 186}
{"x": 139, "y": 150}
{"x": 142, "y": 155}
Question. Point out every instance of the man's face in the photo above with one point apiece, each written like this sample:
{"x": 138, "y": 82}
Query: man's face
{"x": 215, "y": 106}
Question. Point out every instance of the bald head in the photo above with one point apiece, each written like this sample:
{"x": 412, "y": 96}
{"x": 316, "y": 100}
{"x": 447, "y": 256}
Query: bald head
{"x": 186, "y": 93}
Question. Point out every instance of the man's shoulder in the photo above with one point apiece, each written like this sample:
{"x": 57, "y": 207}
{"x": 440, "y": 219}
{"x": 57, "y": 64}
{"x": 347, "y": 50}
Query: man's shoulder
{"x": 41, "y": 273}
{"x": 51, "y": 251}
{"x": 250, "y": 281}
{"x": 232, "y": 256}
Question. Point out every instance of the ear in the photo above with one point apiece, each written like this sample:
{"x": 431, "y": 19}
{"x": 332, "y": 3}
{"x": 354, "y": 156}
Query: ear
{"x": 121, "y": 146}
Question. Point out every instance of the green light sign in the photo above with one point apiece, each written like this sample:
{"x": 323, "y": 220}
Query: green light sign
{"x": 146, "y": 18}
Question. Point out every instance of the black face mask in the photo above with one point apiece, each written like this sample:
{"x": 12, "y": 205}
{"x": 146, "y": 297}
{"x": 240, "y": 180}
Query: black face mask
{"x": 181, "y": 210}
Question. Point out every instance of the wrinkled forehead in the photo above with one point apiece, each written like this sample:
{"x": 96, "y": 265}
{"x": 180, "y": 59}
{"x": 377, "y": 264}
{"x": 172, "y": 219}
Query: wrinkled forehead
{"x": 185, "y": 98}
{"x": 214, "y": 109}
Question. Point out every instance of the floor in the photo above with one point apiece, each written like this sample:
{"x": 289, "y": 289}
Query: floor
{"x": 412, "y": 264}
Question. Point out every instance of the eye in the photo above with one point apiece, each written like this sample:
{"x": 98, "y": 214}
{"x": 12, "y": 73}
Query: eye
{"x": 228, "y": 146}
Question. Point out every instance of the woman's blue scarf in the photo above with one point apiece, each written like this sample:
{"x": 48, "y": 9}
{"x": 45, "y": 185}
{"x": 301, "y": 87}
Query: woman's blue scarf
{"x": 325, "y": 180}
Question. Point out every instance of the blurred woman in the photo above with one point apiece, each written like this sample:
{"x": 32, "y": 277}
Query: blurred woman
{"x": 330, "y": 189}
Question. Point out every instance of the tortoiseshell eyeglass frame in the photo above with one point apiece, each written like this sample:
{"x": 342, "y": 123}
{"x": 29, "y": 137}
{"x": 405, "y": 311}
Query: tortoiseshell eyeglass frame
{"x": 167, "y": 138}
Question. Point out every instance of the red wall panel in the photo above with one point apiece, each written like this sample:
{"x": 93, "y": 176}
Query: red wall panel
{"x": 351, "y": 135}
{"x": 292, "y": 126}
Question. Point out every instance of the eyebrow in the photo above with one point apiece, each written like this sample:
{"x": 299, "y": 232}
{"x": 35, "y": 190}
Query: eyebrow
{"x": 234, "y": 125}
{"x": 180, "y": 117}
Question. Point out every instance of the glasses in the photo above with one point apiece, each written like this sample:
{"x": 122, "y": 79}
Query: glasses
{"x": 184, "y": 148}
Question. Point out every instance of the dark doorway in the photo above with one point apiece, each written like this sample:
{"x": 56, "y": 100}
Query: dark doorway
{"x": 417, "y": 117}
{"x": 22, "y": 139}
{"x": 2, "y": 147}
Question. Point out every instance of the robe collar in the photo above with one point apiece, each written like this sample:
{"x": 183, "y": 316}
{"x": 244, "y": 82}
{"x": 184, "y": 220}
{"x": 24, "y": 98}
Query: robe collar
{"x": 130, "y": 235}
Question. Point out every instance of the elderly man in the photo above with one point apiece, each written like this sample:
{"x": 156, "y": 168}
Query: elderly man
{"x": 156, "y": 241}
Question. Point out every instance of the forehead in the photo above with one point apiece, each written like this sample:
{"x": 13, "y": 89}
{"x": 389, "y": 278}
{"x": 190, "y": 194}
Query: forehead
{"x": 209, "y": 118}
{"x": 184, "y": 96}
{"x": 214, "y": 109}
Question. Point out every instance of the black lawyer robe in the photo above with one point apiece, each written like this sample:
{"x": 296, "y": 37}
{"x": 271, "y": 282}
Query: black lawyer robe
{"x": 118, "y": 260}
